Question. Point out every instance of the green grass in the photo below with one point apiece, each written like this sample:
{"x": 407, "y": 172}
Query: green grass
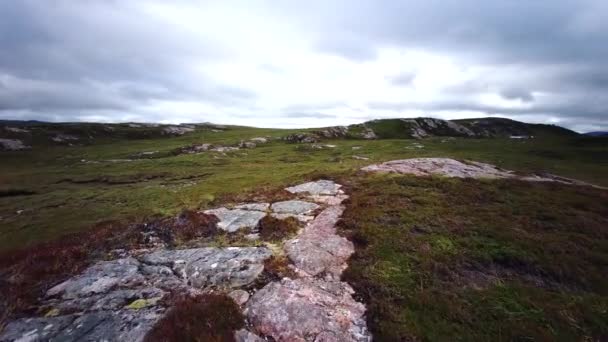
{"x": 470, "y": 260}
{"x": 437, "y": 259}
{"x": 71, "y": 195}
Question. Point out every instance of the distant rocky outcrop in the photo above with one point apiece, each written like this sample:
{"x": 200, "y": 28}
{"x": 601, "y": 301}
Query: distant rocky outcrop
{"x": 12, "y": 145}
{"x": 296, "y": 138}
{"x": 463, "y": 169}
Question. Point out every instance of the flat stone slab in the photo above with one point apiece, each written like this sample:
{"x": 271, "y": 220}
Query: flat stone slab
{"x": 307, "y": 309}
{"x": 318, "y": 249}
{"x": 440, "y": 166}
{"x": 219, "y": 267}
{"x": 235, "y": 219}
{"x": 293, "y": 207}
{"x": 124, "y": 325}
{"x": 100, "y": 278}
{"x": 320, "y": 187}
{"x": 119, "y": 300}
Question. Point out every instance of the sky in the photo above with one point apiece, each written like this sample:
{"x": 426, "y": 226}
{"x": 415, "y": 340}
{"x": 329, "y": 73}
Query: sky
{"x": 271, "y": 63}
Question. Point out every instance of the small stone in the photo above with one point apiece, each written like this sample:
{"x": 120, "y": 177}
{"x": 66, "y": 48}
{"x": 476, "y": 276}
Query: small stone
{"x": 247, "y": 336}
{"x": 259, "y": 140}
{"x": 239, "y": 296}
{"x": 252, "y": 236}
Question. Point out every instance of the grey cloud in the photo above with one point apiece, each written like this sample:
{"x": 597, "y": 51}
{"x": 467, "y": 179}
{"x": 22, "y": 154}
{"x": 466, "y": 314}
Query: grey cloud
{"x": 517, "y": 94}
{"x": 100, "y": 55}
{"x": 403, "y": 79}
{"x": 561, "y": 43}
{"x": 347, "y": 46}
{"x": 108, "y": 58}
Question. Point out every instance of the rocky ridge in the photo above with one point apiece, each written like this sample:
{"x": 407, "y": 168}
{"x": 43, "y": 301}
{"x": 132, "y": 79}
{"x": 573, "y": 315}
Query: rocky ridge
{"x": 122, "y": 299}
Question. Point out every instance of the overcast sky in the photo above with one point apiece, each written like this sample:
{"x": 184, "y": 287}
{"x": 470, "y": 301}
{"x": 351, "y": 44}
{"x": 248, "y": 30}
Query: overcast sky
{"x": 304, "y": 63}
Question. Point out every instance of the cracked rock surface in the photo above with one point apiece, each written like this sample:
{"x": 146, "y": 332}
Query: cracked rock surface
{"x": 308, "y": 309}
{"x": 316, "y": 306}
{"x": 118, "y": 300}
{"x": 318, "y": 248}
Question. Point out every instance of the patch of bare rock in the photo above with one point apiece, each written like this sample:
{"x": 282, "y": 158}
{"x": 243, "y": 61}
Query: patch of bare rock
{"x": 453, "y": 168}
{"x": 119, "y": 300}
{"x": 439, "y": 166}
{"x": 13, "y": 145}
{"x": 122, "y": 299}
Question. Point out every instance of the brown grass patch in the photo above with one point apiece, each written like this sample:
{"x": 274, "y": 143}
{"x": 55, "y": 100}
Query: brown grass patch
{"x": 273, "y": 229}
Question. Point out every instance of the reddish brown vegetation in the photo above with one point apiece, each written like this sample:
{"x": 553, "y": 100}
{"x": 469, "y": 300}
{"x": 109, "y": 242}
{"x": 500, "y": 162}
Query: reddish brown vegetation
{"x": 272, "y": 229}
{"x": 27, "y": 273}
{"x": 188, "y": 225}
{"x": 206, "y": 318}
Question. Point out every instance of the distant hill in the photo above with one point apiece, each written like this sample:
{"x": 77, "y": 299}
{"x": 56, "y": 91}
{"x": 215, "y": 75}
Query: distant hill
{"x": 597, "y": 134}
{"x": 25, "y": 134}
{"x": 472, "y": 128}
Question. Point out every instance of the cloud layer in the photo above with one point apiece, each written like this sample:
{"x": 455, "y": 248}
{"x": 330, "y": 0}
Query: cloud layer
{"x": 303, "y": 64}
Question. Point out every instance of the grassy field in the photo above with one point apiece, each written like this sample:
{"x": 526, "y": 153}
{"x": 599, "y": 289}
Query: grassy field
{"x": 50, "y": 191}
{"x": 469, "y": 260}
{"x": 437, "y": 259}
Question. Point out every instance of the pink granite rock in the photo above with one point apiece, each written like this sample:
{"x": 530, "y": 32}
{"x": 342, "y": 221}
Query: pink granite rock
{"x": 307, "y": 309}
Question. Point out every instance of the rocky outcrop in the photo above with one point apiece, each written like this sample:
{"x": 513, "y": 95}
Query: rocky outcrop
{"x": 297, "y": 138}
{"x": 119, "y": 300}
{"x": 425, "y": 127}
{"x": 12, "y": 145}
{"x": 123, "y": 325}
{"x": 333, "y": 132}
{"x": 229, "y": 267}
{"x": 122, "y": 299}
{"x": 470, "y": 169}
{"x": 322, "y": 187}
{"x": 439, "y": 166}
{"x": 316, "y": 306}
{"x": 16, "y": 130}
{"x": 177, "y": 130}
{"x": 248, "y": 215}
{"x": 64, "y": 138}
